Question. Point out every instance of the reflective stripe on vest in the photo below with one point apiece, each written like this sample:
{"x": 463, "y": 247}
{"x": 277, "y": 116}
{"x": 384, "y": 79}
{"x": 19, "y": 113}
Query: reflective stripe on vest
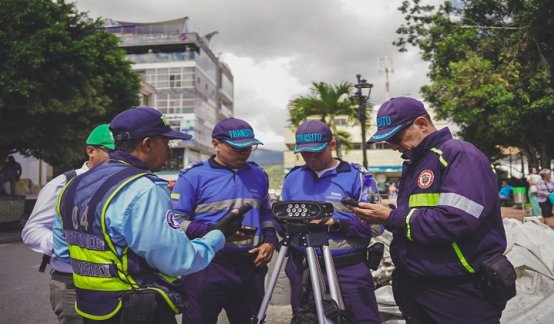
{"x": 98, "y": 271}
{"x": 432, "y": 200}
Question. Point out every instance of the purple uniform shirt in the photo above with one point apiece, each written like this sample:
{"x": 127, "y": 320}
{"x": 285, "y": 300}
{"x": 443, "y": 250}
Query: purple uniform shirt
{"x": 448, "y": 217}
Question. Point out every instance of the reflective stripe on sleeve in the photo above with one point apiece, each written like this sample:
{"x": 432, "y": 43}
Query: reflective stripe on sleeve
{"x": 460, "y": 202}
{"x": 423, "y": 200}
{"x": 462, "y": 258}
{"x": 441, "y": 159}
{"x": 408, "y": 229}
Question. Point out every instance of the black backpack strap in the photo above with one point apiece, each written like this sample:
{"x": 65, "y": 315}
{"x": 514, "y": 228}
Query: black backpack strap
{"x": 44, "y": 262}
{"x": 70, "y": 175}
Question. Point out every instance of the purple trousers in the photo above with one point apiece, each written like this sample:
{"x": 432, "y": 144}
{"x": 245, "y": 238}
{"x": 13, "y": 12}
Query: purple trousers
{"x": 356, "y": 285}
{"x": 239, "y": 289}
{"x": 442, "y": 301}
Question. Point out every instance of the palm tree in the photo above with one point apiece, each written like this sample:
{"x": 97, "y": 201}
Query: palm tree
{"x": 326, "y": 101}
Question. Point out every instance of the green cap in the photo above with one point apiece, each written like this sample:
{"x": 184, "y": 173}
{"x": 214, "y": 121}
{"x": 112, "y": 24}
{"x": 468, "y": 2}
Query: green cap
{"x": 101, "y": 136}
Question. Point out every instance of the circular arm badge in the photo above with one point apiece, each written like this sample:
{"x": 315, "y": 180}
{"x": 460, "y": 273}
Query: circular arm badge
{"x": 425, "y": 179}
{"x": 170, "y": 217}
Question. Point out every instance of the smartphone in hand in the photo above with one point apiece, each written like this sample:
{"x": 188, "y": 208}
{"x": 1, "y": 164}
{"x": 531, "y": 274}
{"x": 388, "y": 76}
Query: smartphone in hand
{"x": 349, "y": 201}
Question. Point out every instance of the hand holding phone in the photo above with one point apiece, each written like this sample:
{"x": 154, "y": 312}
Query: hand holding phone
{"x": 349, "y": 201}
{"x": 232, "y": 222}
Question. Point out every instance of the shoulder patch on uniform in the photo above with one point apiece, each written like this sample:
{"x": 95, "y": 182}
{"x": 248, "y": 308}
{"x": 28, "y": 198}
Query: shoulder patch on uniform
{"x": 192, "y": 165}
{"x": 171, "y": 221}
{"x": 425, "y": 179}
{"x": 359, "y": 167}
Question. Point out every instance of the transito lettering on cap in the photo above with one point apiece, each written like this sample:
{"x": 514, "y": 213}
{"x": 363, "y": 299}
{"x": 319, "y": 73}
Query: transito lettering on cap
{"x": 164, "y": 120}
{"x": 306, "y": 138}
{"x": 383, "y": 121}
{"x": 240, "y": 133}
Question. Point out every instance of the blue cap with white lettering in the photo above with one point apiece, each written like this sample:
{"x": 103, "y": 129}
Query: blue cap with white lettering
{"x": 312, "y": 136}
{"x": 394, "y": 115}
{"x": 235, "y": 132}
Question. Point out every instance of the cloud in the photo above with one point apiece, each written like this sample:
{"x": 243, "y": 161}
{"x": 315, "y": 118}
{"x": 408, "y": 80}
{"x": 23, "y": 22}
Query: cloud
{"x": 276, "y": 48}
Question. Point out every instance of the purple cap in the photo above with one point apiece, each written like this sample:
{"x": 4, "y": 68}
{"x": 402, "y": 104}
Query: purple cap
{"x": 235, "y": 132}
{"x": 394, "y": 115}
{"x": 312, "y": 136}
{"x": 141, "y": 122}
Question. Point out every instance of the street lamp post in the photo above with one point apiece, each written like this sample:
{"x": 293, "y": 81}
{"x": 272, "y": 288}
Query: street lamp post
{"x": 362, "y": 115}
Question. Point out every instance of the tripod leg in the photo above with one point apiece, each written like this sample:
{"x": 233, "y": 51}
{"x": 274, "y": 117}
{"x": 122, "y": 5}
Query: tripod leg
{"x": 271, "y": 285}
{"x": 332, "y": 278}
{"x": 314, "y": 276}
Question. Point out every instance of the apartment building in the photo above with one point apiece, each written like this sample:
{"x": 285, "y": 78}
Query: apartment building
{"x": 193, "y": 88}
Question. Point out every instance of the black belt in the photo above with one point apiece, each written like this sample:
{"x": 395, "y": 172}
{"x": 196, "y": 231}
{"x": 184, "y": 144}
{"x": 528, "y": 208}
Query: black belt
{"x": 346, "y": 259}
{"x": 232, "y": 259}
{"x": 65, "y": 277}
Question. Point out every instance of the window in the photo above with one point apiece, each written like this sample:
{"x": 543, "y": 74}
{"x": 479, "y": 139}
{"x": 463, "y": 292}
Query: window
{"x": 175, "y": 81}
{"x": 341, "y": 121}
{"x": 381, "y": 146}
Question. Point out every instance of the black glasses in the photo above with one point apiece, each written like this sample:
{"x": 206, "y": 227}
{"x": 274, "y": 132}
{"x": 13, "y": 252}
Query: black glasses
{"x": 395, "y": 140}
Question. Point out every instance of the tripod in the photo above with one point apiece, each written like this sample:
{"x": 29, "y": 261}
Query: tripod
{"x": 312, "y": 236}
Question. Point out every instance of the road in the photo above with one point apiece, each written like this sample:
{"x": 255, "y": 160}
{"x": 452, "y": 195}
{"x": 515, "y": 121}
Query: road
{"x": 25, "y": 292}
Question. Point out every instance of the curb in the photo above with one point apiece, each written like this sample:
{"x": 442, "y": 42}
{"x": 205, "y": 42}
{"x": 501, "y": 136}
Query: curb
{"x": 10, "y": 232}
{"x": 10, "y": 237}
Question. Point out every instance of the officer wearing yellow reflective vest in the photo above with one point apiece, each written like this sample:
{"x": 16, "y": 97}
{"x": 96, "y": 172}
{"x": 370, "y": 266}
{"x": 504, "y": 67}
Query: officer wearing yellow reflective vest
{"x": 117, "y": 222}
{"x": 448, "y": 232}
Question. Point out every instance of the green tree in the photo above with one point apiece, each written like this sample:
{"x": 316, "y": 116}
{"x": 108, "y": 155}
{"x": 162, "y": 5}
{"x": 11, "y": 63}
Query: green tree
{"x": 326, "y": 101}
{"x": 491, "y": 70}
{"x": 61, "y": 75}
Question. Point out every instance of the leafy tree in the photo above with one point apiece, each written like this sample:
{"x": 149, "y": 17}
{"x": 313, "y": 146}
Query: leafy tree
{"x": 491, "y": 65}
{"x": 326, "y": 101}
{"x": 61, "y": 75}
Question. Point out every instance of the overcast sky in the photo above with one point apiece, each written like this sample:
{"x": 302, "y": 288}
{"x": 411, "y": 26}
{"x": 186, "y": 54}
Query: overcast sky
{"x": 276, "y": 48}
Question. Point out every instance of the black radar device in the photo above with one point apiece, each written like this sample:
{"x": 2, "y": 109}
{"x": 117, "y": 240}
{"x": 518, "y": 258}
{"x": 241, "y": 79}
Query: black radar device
{"x": 301, "y": 211}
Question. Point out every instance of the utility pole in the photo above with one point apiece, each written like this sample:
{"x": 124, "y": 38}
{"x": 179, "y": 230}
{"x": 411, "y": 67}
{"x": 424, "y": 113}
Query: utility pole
{"x": 385, "y": 65}
{"x": 362, "y": 113}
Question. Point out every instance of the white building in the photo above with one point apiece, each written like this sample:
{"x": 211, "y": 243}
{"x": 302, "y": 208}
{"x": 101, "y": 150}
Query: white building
{"x": 194, "y": 89}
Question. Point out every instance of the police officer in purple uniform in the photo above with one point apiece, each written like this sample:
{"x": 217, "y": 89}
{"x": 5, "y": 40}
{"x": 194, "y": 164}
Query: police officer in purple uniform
{"x": 205, "y": 192}
{"x": 324, "y": 178}
{"x": 447, "y": 224}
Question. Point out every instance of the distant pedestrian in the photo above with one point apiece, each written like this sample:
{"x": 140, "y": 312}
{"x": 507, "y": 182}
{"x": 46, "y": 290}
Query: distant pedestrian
{"x": 545, "y": 187}
{"x": 532, "y": 179}
{"x": 11, "y": 172}
{"x": 505, "y": 191}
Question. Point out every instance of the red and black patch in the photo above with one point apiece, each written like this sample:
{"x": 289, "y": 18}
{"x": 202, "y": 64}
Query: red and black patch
{"x": 425, "y": 179}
